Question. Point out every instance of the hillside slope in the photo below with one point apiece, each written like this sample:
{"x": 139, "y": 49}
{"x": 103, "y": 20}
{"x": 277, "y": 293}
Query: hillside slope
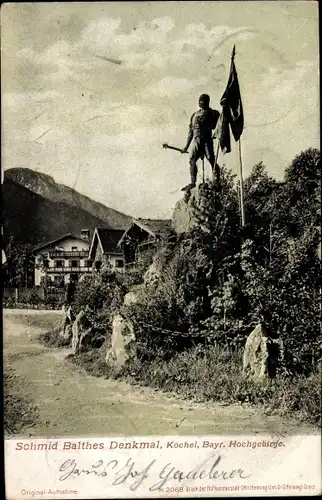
{"x": 45, "y": 186}
{"x": 32, "y": 218}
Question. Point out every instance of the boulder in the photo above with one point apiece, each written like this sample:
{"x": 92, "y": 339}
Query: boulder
{"x": 262, "y": 354}
{"x": 123, "y": 344}
{"x": 130, "y": 298}
{"x": 184, "y": 214}
{"x": 155, "y": 270}
{"x": 183, "y": 219}
{"x": 82, "y": 333}
{"x": 135, "y": 295}
{"x": 63, "y": 327}
{"x": 67, "y": 334}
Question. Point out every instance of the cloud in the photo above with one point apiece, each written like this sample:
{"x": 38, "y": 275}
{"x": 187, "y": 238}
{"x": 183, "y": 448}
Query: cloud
{"x": 170, "y": 85}
{"x": 153, "y": 44}
{"x": 198, "y": 36}
{"x": 106, "y": 33}
{"x": 156, "y": 44}
{"x": 275, "y": 93}
{"x": 67, "y": 110}
{"x": 14, "y": 100}
{"x": 64, "y": 58}
{"x": 99, "y": 33}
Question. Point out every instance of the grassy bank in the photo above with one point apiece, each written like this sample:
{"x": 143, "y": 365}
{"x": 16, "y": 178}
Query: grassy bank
{"x": 213, "y": 374}
{"x": 18, "y": 412}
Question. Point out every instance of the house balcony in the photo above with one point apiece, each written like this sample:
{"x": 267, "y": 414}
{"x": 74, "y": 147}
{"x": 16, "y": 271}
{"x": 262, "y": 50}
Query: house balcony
{"x": 65, "y": 254}
{"x": 68, "y": 269}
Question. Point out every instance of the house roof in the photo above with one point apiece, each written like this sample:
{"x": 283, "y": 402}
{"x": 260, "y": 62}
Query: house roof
{"x": 107, "y": 239}
{"x": 58, "y": 240}
{"x": 155, "y": 227}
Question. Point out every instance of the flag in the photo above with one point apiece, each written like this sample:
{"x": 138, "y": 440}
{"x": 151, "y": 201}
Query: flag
{"x": 232, "y": 110}
{"x": 222, "y": 132}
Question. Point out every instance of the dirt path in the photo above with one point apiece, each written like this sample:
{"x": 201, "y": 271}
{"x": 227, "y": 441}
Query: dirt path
{"x": 73, "y": 403}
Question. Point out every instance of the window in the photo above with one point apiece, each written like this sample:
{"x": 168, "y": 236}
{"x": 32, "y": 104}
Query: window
{"x": 119, "y": 263}
{"x": 74, "y": 249}
{"x": 59, "y": 263}
{"x": 74, "y": 263}
{"x": 88, "y": 263}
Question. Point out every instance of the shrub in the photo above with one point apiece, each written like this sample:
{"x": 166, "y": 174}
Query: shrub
{"x": 99, "y": 295}
{"x": 52, "y": 337}
{"x": 9, "y": 303}
{"x": 93, "y": 361}
{"x": 214, "y": 374}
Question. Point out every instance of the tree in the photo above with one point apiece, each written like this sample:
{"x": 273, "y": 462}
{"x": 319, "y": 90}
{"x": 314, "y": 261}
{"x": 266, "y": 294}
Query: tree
{"x": 298, "y": 204}
{"x": 20, "y": 264}
{"x": 284, "y": 290}
{"x": 285, "y": 297}
{"x": 261, "y": 191}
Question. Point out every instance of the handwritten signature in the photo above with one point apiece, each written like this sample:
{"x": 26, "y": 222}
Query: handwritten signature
{"x": 130, "y": 474}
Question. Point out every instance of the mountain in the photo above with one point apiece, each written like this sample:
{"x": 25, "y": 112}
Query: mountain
{"x": 45, "y": 186}
{"x": 38, "y": 209}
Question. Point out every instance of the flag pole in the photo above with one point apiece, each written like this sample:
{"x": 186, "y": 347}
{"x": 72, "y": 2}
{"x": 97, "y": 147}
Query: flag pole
{"x": 217, "y": 152}
{"x": 241, "y": 181}
{"x": 233, "y": 53}
{"x": 241, "y": 185}
{"x": 216, "y": 159}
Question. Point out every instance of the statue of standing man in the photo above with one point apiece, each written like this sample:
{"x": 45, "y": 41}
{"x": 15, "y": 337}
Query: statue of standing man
{"x": 202, "y": 124}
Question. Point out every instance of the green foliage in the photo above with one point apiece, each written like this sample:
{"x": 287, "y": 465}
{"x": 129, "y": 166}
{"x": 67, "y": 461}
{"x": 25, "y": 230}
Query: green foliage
{"x": 219, "y": 280}
{"x": 99, "y": 296}
{"x": 213, "y": 373}
{"x": 18, "y": 411}
{"x": 300, "y": 199}
{"x": 283, "y": 288}
{"x": 261, "y": 193}
{"x": 222, "y": 280}
{"x": 19, "y": 266}
{"x": 285, "y": 296}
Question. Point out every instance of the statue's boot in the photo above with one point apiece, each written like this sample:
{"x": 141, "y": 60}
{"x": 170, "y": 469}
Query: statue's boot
{"x": 188, "y": 187}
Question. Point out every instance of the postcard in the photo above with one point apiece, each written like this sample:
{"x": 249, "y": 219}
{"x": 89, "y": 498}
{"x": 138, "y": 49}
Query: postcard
{"x": 161, "y": 249}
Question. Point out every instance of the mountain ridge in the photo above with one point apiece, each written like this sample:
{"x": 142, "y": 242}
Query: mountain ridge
{"x": 47, "y": 187}
{"x": 37, "y": 209}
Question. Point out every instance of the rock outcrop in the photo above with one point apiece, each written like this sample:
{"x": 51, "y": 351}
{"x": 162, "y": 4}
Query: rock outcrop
{"x": 262, "y": 354}
{"x": 83, "y": 333}
{"x": 155, "y": 270}
{"x": 183, "y": 219}
{"x": 63, "y": 327}
{"x": 135, "y": 295}
{"x": 184, "y": 215}
{"x": 123, "y": 345}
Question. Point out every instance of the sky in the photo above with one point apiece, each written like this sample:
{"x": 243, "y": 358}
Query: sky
{"x": 91, "y": 91}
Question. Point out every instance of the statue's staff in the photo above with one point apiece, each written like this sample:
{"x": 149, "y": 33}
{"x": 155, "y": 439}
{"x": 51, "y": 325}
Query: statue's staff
{"x": 166, "y": 146}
